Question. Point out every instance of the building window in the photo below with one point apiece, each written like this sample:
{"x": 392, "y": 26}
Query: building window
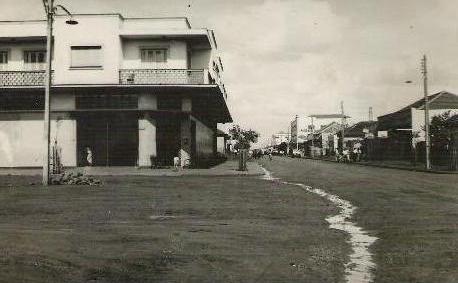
{"x": 86, "y": 56}
{"x": 112, "y": 101}
{"x": 169, "y": 103}
{"x": 153, "y": 55}
{"x": 35, "y": 59}
{"x": 22, "y": 102}
{"x": 3, "y": 57}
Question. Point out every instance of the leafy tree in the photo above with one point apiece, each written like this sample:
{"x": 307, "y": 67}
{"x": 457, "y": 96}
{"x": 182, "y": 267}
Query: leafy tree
{"x": 243, "y": 137}
{"x": 440, "y": 136}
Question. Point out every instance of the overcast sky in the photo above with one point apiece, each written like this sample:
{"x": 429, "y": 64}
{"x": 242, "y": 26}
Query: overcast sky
{"x": 288, "y": 57}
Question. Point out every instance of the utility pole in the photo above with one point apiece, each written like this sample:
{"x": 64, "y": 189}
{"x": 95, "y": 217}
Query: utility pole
{"x": 47, "y": 126}
{"x": 343, "y": 123}
{"x": 371, "y": 115}
{"x": 424, "y": 70}
{"x": 297, "y": 132}
{"x": 313, "y": 139}
{"x": 50, "y": 10}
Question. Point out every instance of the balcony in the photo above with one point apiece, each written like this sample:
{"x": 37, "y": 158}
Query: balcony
{"x": 126, "y": 77}
{"x": 163, "y": 77}
{"x": 22, "y": 78}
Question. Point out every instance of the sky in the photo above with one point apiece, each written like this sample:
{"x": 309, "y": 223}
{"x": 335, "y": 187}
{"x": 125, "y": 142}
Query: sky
{"x": 300, "y": 57}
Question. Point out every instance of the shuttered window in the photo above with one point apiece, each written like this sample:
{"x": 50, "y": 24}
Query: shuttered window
{"x": 86, "y": 56}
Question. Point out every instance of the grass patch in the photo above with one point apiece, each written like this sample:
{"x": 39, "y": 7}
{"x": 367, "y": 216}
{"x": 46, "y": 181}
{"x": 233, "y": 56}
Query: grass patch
{"x": 174, "y": 229}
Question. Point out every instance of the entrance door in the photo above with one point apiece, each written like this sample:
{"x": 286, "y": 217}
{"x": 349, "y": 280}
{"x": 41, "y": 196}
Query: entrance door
{"x": 193, "y": 143}
{"x": 168, "y": 139}
{"x": 112, "y": 138}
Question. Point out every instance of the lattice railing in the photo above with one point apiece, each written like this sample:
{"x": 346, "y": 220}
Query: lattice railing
{"x": 162, "y": 76}
{"x": 22, "y": 78}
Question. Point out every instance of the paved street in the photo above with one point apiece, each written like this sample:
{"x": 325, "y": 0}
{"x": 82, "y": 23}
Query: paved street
{"x": 413, "y": 214}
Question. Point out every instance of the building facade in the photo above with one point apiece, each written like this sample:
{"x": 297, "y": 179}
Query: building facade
{"x": 134, "y": 91}
{"x": 279, "y": 138}
{"x": 300, "y": 129}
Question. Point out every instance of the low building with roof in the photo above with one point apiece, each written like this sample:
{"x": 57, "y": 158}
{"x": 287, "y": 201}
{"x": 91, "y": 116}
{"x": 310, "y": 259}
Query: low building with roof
{"x": 403, "y": 130}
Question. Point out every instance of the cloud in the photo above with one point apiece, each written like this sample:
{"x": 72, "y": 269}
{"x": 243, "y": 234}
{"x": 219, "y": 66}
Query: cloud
{"x": 288, "y": 57}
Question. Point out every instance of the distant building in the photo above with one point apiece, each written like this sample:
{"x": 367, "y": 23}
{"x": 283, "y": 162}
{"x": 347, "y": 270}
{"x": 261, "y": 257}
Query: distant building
{"x": 402, "y": 133}
{"x": 411, "y": 119}
{"x": 361, "y": 130}
{"x": 300, "y": 128}
{"x": 279, "y": 138}
{"x": 325, "y": 140}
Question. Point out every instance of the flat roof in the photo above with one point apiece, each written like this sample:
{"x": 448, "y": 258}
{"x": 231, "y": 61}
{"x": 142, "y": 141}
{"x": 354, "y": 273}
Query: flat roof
{"x": 329, "y": 116}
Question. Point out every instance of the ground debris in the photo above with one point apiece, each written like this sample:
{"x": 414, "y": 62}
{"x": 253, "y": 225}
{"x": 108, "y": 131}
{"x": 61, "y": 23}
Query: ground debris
{"x": 70, "y": 178}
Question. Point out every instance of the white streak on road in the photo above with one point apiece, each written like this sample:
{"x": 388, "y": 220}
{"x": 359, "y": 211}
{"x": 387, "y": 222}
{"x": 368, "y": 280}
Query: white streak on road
{"x": 358, "y": 270}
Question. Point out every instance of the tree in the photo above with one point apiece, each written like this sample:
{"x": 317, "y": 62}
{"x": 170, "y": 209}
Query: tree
{"x": 243, "y": 137}
{"x": 440, "y": 136}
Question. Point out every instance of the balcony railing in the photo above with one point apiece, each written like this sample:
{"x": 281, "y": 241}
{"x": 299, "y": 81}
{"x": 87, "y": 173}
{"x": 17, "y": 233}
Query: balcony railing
{"x": 126, "y": 77}
{"x": 163, "y": 77}
{"x": 22, "y": 78}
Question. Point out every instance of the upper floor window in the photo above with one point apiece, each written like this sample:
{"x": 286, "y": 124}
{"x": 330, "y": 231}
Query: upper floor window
{"x": 153, "y": 55}
{"x": 3, "y": 57}
{"x": 86, "y": 56}
{"x": 35, "y": 59}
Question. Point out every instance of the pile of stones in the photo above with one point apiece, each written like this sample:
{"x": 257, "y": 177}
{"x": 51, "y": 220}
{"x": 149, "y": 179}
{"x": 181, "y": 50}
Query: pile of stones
{"x": 70, "y": 178}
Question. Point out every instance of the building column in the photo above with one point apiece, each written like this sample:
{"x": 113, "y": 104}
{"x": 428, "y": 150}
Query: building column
{"x": 146, "y": 140}
{"x": 185, "y": 144}
{"x": 185, "y": 148}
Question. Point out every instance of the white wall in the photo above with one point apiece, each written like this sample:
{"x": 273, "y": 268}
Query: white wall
{"x": 200, "y": 59}
{"x": 176, "y": 54}
{"x": 63, "y": 129}
{"x": 104, "y": 31}
{"x": 146, "y": 141}
{"x": 23, "y": 29}
{"x": 21, "y": 139}
{"x": 154, "y": 24}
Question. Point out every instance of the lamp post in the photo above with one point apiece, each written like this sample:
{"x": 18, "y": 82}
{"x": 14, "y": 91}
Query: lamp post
{"x": 51, "y": 11}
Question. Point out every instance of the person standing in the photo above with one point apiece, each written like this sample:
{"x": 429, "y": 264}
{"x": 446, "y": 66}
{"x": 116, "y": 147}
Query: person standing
{"x": 89, "y": 156}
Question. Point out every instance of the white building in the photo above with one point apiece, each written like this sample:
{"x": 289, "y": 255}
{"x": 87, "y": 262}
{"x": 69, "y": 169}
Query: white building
{"x": 300, "y": 129}
{"x": 279, "y": 138}
{"x": 133, "y": 90}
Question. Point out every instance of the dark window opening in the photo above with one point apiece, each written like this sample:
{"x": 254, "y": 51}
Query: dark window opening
{"x": 107, "y": 102}
{"x": 22, "y": 102}
{"x": 169, "y": 103}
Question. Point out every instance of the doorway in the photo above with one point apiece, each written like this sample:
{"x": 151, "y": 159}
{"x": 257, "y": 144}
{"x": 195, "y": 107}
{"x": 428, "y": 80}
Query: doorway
{"x": 112, "y": 138}
{"x": 168, "y": 139}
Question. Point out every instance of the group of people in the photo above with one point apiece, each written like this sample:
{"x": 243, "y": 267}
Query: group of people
{"x": 348, "y": 155}
{"x": 258, "y": 153}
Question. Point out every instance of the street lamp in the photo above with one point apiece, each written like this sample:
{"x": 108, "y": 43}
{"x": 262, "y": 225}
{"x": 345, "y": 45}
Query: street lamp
{"x": 424, "y": 71}
{"x": 51, "y": 11}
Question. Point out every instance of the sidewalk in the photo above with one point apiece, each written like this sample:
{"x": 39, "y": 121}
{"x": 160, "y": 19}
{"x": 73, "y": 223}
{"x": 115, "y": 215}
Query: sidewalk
{"x": 395, "y": 164}
{"x": 228, "y": 168}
